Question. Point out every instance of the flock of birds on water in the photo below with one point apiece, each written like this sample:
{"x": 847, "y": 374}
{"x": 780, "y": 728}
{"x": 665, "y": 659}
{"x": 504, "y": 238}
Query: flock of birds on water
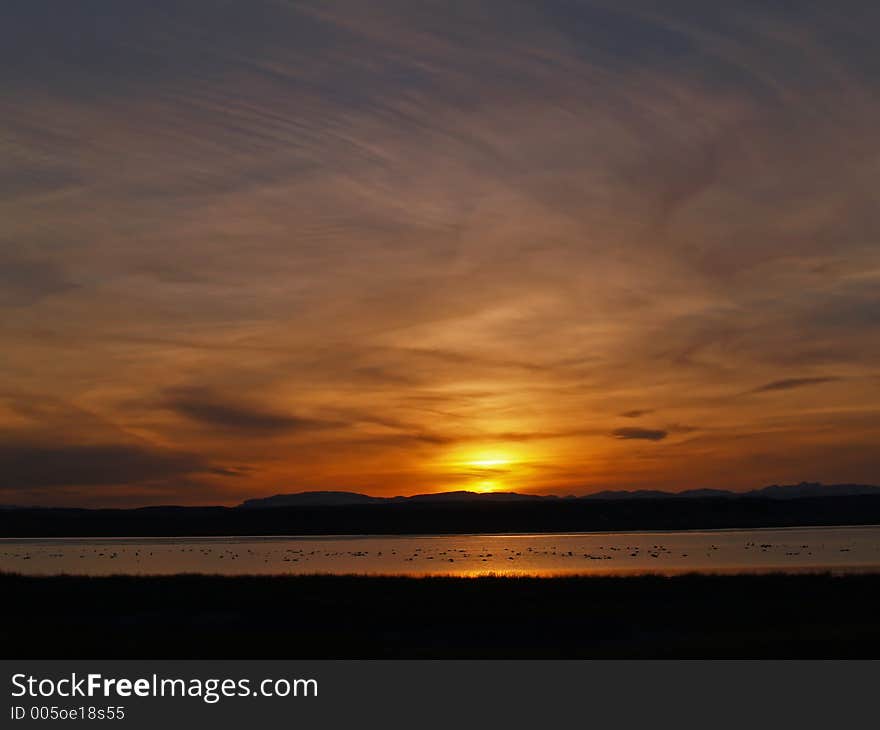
{"x": 201, "y": 557}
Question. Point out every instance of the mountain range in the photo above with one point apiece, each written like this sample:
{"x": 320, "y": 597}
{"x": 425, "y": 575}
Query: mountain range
{"x": 774, "y": 491}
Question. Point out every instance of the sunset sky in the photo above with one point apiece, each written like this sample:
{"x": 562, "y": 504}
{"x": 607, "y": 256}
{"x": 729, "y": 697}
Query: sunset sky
{"x": 402, "y": 247}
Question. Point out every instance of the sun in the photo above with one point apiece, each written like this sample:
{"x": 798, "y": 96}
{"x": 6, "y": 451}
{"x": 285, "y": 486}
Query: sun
{"x": 487, "y": 459}
{"x": 485, "y": 486}
{"x": 491, "y": 467}
{"x": 489, "y": 463}
{"x": 486, "y": 470}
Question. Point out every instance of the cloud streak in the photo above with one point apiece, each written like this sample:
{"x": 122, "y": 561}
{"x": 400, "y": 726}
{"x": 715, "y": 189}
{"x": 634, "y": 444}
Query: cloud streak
{"x": 639, "y": 434}
{"x": 214, "y": 411}
{"x": 635, "y": 413}
{"x": 793, "y": 383}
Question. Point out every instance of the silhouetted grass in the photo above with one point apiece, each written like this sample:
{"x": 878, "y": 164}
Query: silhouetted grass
{"x": 325, "y": 616}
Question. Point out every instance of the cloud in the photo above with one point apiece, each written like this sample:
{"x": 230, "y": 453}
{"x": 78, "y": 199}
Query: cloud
{"x": 206, "y": 407}
{"x": 681, "y": 428}
{"x": 635, "y": 414}
{"x": 28, "y": 466}
{"x": 642, "y": 434}
{"x": 25, "y": 280}
{"x": 792, "y": 383}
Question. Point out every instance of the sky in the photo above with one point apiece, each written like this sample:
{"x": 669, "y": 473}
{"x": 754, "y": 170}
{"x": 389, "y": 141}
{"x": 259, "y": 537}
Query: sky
{"x": 259, "y": 247}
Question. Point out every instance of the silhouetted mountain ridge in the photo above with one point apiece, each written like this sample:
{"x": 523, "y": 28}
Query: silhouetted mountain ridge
{"x": 773, "y": 491}
{"x": 802, "y": 505}
{"x": 332, "y": 498}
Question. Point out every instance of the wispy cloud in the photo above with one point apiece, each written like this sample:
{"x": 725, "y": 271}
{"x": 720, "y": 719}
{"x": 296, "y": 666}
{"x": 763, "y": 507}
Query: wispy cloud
{"x": 639, "y": 434}
{"x": 215, "y": 411}
{"x": 792, "y": 383}
{"x": 636, "y": 413}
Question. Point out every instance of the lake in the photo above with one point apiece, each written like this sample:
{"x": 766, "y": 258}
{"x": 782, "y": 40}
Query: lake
{"x": 840, "y": 549}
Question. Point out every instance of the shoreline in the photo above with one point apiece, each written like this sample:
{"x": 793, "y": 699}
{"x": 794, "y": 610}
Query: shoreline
{"x": 443, "y": 535}
{"x": 610, "y": 573}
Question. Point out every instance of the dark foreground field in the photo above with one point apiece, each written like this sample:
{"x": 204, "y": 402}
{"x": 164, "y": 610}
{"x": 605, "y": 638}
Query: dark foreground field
{"x": 187, "y": 616}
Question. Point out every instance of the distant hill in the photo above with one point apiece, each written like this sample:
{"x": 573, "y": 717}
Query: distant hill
{"x": 814, "y": 489}
{"x": 463, "y": 496}
{"x": 310, "y": 499}
{"x": 350, "y": 513}
{"x": 774, "y": 491}
{"x": 331, "y": 498}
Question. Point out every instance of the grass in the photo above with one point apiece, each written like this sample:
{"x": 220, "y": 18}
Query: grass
{"x": 350, "y": 617}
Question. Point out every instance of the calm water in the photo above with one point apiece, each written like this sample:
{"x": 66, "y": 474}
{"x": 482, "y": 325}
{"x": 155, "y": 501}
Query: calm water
{"x": 844, "y": 549}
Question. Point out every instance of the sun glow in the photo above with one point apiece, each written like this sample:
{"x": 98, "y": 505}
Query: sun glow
{"x": 485, "y": 470}
{"x": 487, "y": 485}
{"x": 489, "y": 463}
{"x": 489, "y": 459}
